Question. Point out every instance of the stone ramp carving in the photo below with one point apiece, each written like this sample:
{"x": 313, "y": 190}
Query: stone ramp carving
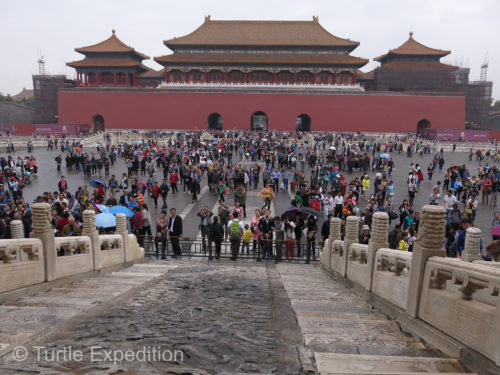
{"x": 347, "y": 336}
{"x": 31, "y": 316}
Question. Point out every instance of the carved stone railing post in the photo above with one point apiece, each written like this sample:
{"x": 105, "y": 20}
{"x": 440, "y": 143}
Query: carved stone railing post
{"x": 16, "y": 229}
{"x": 429, "y": 243}
{"x": 378, "y": 240}
{"x": 335, "y": 234}
{"x": 121, "y": 229}
{"x": 90, "y": 230}
{"x": 42, "y": 229}
{"x": 472, "y": 248}
{"x": 335, "y": 225}
{"x": 351, "y": 236}
{"x": 17, "y": 232}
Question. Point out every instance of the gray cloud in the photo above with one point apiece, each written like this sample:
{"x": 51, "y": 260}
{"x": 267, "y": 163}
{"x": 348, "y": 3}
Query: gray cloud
{"x": 54, "y": 28}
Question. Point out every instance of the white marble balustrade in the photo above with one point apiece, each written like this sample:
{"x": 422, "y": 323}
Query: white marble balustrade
{"x": 462, "y": 300}
{"x": 391, "y": 276}
{"x": 21, "y": 263}
{"x": 357, "y": 265}
{"x": 77, "y": 256}
{"x": 112, "y": 251}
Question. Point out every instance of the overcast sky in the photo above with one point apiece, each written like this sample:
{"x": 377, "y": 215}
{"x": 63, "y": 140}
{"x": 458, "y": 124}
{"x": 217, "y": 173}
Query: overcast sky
{"x": 53, "y": 28}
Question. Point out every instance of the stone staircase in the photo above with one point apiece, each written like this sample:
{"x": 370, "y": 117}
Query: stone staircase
{"x": 31, "y": 316}
{"x": 345, "y": 335}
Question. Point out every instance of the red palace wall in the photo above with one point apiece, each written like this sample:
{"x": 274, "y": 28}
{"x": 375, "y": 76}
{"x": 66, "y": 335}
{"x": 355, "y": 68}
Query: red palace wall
{"x": 365, "y": 112}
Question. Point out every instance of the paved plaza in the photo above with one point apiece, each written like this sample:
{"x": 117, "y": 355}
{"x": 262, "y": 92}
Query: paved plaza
{"x": 48, "y": 177}
{"x": 195, "y": 316}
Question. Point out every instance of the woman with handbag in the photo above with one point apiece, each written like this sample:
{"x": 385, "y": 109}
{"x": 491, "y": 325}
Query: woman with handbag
{"x": 254, "y": 227}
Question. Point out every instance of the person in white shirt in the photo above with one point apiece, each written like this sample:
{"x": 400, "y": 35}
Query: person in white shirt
{"x": 435, "y": 197}
{"x": 338, "y": 202}
{"x": 448, "y": 201}
{"x": 328, "y": 205}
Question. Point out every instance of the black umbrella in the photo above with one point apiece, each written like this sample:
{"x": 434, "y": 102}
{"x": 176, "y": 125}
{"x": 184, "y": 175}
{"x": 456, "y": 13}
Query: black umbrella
{"x": 309, "y": 211}
{"x": 291, "y": 214}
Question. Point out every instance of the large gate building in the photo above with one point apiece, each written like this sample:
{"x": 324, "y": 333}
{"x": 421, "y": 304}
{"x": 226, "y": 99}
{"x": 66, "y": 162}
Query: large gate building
{"x": 283, "y": 75}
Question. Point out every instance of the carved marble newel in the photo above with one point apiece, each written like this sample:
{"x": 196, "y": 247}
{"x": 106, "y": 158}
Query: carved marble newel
{"x": 335, "y": 225}
{"x": 17, "y": 232}
{"x": 378, "y": 240}
{"x": 351, "y": 236}
{"x": 121, "y": 229}
{"x": 90, "y": 230}
{"x": 430, "y": 242}
{"x": 42, "y": 229}
{"x": 16, "y": 229}
{"x": 472, "y": 248}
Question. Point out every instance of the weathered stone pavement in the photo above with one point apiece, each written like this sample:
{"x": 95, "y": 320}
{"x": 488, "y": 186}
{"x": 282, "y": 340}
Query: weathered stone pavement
{"x": 30, "y": 316}
{"x": 348, "y": 336}
{"x": 218, "y": 316}
{"x": 222, "y": 317}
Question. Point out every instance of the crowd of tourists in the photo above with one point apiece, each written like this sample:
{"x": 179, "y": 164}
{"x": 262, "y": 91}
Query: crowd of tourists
{"x": 326, "y": 175}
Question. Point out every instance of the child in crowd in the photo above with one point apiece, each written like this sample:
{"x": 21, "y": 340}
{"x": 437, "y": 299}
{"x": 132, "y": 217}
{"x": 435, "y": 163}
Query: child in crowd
{"x": 245, "y": 239}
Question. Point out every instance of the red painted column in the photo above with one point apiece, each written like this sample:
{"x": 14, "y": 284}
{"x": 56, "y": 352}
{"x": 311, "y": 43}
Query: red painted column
{"x": 205, "y": 76}
{"x": 135, "y": 82}
{"x": 86, "y": 79}
{"x": 97, "y": 79}
{"x": 127, "y": 79}
{"x": 167, "y": 77}
{"x": 186, "y": 76}
{"x": 115, "y": 82}
{"x": 225, "y": 77}
{"x": 294, "y": 77}
{"x": 77, "y": 79}
{"x": 274, "y": 78}
{"x": 353, "y": 81}
{"x": 314, "y": 78}
{"x": 334, "y": 78}
{"x": 246, "y": 77}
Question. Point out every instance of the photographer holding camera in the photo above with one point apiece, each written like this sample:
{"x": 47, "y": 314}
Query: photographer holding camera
{"x": 435, "y": 197}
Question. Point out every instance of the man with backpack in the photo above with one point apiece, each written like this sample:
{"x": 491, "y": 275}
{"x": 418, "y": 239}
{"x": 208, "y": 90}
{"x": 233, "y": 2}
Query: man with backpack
{"x": 235, "y": 231}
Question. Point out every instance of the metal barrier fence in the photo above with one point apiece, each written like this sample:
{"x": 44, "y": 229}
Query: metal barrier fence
{"x": 158, "y": 247}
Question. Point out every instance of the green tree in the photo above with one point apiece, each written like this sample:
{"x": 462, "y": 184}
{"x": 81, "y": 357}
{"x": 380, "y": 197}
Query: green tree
{"x": 497, "y": 104}
{"x": 5, "y": 98}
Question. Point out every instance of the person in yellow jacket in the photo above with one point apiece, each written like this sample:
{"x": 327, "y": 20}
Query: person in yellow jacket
{"x": 365, "y": 186}
{"x": 403, "y": 244}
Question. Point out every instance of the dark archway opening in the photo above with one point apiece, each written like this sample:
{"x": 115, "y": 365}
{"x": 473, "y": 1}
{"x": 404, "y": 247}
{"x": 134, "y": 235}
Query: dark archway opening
{"x": 303, "y": 123}
{"x": 98, "y": 123}
{"x": 214, "y": 122}
{"x": 259, "y": 121}
{"x": 423, "y": 124}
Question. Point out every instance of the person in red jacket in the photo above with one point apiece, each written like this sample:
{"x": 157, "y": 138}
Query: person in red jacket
{"x": 155, "y": 192}
{"x": 420, "y": 177}
{"x": 64, "y": 220}
{"x": 137, "y": 224}
{"x": 174, "y": 179}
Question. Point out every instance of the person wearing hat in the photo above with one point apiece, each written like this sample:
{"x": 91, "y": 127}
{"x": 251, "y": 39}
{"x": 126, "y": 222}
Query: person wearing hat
{"x": 364, "y": 237}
